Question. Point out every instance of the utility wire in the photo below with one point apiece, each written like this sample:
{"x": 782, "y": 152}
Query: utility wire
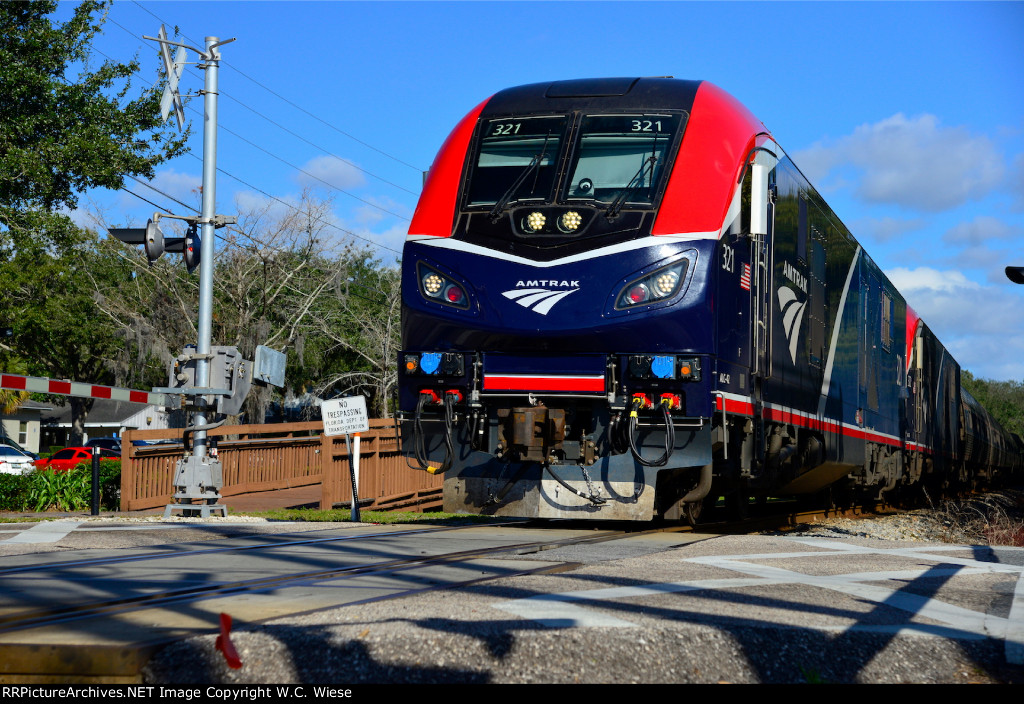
{"x": 256, "y": 240}
{"x": 289, "y": 205}
{"x": 289, "y": 102}
{"x": 285, "y": 161}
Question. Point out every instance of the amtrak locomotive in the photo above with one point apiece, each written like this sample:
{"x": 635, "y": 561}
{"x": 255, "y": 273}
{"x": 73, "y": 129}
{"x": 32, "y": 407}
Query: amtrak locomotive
{"x": 621, "y": 299}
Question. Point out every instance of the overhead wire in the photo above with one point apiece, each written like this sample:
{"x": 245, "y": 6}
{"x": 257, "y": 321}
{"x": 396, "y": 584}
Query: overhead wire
{"x": 294, "y": 105}
{"x": 300, "y": 108}
{"x": 321, "y": 221}
{"x": 286, "y": 162}
{"x": 252, "y": 237}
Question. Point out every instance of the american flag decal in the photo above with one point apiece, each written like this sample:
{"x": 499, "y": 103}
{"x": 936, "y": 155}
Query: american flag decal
{"x": 745, "y": 278}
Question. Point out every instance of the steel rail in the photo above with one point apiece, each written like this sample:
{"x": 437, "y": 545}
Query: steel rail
{"x": 54, "y": 615}
{"x": 233, "y": 548}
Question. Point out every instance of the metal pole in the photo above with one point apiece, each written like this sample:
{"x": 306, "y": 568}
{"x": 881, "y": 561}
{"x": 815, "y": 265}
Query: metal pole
{"x": 95, "y": 482}
{"x": 212, "y": 60}
{"x": 354, "y": 467}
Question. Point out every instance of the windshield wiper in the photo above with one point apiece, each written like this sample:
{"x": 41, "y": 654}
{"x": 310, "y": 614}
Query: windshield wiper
{"x": 534, "y": 164}
{"x": 635, "y": 182}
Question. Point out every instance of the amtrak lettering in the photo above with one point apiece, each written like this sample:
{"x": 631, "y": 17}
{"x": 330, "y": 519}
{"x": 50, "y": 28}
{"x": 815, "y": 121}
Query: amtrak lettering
{"x": 547, "y": 282}
{"x": 790, "y": 272}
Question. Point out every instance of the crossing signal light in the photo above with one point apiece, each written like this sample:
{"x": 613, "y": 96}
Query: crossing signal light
{"x": 192, "y": 248}
{"x": 155, "y": 244}
{"x": 150, "y": 237}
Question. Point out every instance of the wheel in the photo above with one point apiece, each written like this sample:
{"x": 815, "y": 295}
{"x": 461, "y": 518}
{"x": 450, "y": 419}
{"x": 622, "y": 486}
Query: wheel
{"x": 691, "y": 511}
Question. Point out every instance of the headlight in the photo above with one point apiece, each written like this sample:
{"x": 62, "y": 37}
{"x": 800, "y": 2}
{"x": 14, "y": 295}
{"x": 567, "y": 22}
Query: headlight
{"x": 656, "y": 286}
{"x": 435, "y": 286}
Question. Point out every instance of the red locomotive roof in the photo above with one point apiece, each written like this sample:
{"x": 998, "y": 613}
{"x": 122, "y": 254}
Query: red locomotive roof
{"x": 719, "y": 135}
{"x": 717, "y": 139}
{"x": 435, "y": 212}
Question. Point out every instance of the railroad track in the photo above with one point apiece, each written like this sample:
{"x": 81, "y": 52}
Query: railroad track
{"x": 14, "y": 619}
{"x": 102, "y": 618}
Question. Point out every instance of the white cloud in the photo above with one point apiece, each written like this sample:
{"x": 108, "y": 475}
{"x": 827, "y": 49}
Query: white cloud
{"x": 976, "y": 323}
{"x": 980, "y": 232}
{"x": 885, "y": 229}
{"x": 251, "y": 205}
{"x": 930, "y": 280}
{"x": 379, "y": 207}
{"x": 330, "y": 172}
{"x": 183, "y": 187}
{"x": 1017, "y": 183}
{"x": 911, "y": 162}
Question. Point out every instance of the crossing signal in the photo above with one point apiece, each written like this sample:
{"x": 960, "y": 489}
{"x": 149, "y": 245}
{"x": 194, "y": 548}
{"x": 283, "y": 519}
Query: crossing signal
{"x": 150, "y": 237}
{"x": 192, "y": 248}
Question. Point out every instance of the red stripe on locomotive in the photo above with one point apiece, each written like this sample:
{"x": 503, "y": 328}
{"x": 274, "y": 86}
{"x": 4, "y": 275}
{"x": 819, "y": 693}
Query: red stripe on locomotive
{"x": 435, "y": 212}
{"x": 702, "y": 184}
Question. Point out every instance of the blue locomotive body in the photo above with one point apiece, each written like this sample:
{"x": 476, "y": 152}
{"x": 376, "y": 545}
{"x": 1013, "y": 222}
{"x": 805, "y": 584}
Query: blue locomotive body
{"x": 621, "y": 298}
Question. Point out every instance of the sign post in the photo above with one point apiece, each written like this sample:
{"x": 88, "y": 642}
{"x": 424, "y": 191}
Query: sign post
{"x": 347, "y": 416}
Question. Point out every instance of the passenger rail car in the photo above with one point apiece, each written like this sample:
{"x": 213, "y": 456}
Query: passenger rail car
{"x": 620, "y": 298}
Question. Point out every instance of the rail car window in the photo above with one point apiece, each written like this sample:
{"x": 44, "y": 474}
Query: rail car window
{"x": 887, "y": 321}
{"x": 517, "y": 160}
{"x": 621, "y": 157}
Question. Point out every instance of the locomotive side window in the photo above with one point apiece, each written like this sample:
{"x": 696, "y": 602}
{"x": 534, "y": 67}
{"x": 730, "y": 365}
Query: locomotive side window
{"x": 887, "y": 321}
{"x": 801, "y": 232}
{"x": 620, "y": 158}
{"x": 517, "y": 159}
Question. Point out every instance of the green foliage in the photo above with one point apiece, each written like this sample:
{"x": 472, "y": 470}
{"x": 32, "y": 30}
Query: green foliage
{"x": 62, "y": 133}
{"x": 65, "y": 491}
{"x": 66, "y": 125}
{"x": 14, "y": 491}
{"x": 110, "y": 484}
{"x": 1003, "y": 399}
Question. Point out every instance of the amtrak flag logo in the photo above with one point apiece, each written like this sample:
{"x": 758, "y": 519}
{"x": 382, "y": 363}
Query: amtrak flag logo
{"x": 539, "y": 300}
{"x": 792, "y": 317}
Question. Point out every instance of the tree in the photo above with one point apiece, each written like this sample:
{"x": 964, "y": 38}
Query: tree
{"x": 64, "y": 128}
{"x": 59, "y": 331}
{"x": 282, "y": 280}
{"x": 362, "y": 322}
{"x": 63, "y": 133}
{"x": 1003, "y": 399}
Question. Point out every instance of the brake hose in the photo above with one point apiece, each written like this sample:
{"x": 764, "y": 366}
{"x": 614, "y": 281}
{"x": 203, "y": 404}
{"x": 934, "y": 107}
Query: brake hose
{"x": 593, "y": 498}
{"x": 419, "y": 446}
{"x": 670, "y": 435}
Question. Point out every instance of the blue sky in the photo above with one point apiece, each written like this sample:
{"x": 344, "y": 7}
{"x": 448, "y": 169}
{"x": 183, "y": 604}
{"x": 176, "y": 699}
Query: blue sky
{"x": 908, "y": 117}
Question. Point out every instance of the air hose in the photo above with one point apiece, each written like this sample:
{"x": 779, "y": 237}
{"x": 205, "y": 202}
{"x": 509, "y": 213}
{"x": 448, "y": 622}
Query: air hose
{"x": 419, "y": 445}
{"x": 670, "y": 435}
{"x": 592, "y": 497}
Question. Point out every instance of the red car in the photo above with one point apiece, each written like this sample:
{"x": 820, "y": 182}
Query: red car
{"x": 71, "y": 457}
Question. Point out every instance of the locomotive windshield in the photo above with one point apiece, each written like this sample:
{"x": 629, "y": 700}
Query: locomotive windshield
{"x": 517, "y": 161}
{"x": 620, "y": 158}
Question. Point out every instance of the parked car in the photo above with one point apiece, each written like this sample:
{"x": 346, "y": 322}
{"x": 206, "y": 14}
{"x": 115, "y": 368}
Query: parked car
{"x": 14, "y": 461}
{"x": 10, "y": 443}
{"x": 106, "y": 443}
{"x": 70, "y": 457}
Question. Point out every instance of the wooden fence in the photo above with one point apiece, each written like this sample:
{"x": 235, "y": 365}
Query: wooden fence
{"x": 280, "y": 456}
